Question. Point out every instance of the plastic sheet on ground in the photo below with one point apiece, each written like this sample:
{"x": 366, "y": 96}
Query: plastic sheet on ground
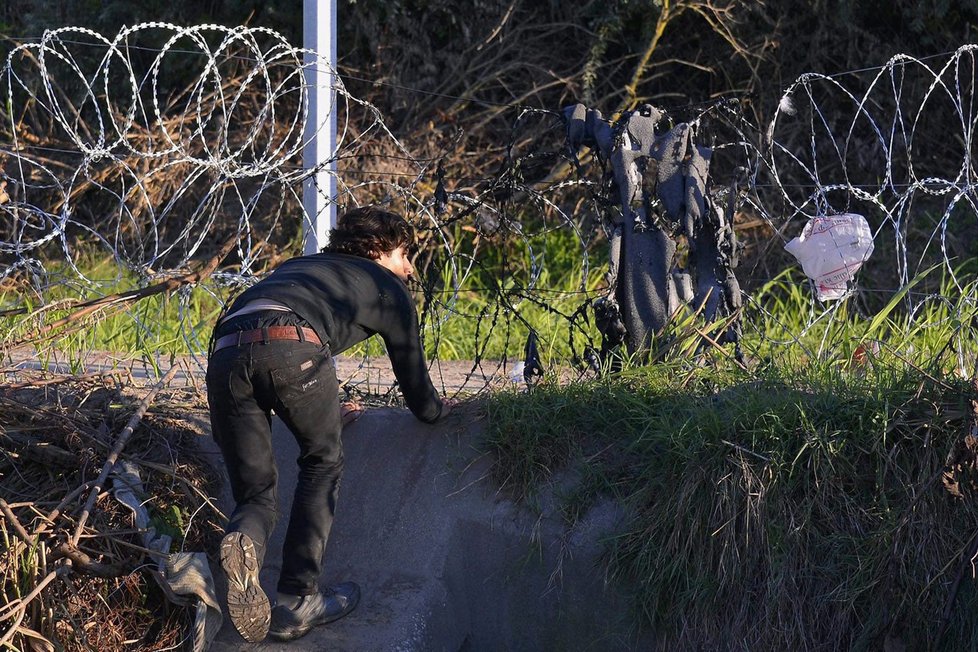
{"x": 185, "y": 577}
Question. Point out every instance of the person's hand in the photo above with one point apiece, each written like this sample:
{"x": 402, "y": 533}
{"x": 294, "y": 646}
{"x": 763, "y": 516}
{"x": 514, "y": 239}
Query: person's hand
{"x": 350, "y": 411}
{"x": 446, "y": 406}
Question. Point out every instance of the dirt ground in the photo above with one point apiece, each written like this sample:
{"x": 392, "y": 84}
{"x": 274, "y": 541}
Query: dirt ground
{"x": 361, "y": 376}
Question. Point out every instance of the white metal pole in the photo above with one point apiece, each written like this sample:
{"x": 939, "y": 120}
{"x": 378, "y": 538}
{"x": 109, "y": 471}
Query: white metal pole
{"x": 319, "y": 190}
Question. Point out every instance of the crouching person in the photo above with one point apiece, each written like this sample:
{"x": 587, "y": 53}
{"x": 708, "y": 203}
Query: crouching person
{"x": 272, "y": 351}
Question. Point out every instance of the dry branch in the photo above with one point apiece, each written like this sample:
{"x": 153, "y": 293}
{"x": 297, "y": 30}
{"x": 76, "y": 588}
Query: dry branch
{"x": 631, "y": 90}
{"x": 87, "y": 308}
{"x": 41, "y": 451}
{"x": 65, "y": 379}
{"x": 82, "y": 562}
{"x": 117, "y": 449}
{"x": 56, "y": 512}
{"x": 18, "y": 528}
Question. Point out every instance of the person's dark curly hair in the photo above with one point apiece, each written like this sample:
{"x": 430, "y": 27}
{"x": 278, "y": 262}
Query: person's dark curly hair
{"x": 369, "y": 232}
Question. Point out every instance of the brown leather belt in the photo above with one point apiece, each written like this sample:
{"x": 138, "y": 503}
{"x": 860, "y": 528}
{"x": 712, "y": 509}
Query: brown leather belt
{"x": 295, "y": 333}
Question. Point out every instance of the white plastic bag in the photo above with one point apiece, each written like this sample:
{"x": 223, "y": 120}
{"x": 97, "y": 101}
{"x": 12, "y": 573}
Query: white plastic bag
{"x": 831, "y": 249}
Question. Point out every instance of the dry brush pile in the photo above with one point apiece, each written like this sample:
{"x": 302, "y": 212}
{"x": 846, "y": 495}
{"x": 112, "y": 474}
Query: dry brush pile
{"x": 74, "y": 570}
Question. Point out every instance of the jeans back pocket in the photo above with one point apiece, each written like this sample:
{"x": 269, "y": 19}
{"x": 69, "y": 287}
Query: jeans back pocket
{"x": 303, "y": 381}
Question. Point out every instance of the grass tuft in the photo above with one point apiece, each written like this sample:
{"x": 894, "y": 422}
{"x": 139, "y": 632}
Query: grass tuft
{"x": 771, "y": 510}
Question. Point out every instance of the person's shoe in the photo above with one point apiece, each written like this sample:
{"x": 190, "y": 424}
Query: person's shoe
{"x": 289, "y": 623}
{"x": 248, "y": 605}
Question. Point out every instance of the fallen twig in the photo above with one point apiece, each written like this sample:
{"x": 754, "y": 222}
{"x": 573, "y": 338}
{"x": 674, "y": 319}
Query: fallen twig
{"x": 18, "y": 528}
{"x": 41, "y": 451}
{"x": 117, "y": 449}
{"x": 64, "y": 379}
{"x": 20, "y": 605}
{"x": 53, "y": 514}
{"x": 86, "y": 308}
{"x": 81, "y": 561}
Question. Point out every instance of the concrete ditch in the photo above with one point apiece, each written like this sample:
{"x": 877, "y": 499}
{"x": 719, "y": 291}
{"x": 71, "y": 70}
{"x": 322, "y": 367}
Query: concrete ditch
{"x": 444, "y": 561}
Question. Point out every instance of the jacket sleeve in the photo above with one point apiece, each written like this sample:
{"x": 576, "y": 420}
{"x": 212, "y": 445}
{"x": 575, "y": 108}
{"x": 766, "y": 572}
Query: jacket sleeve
{"x": 402, "y": 336}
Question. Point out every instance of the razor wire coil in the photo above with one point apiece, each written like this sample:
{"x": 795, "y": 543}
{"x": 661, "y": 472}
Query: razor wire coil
{"x": 171, "y": 170}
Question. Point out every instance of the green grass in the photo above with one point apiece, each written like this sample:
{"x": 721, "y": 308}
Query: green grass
{"x": 157, "y": 325}
{"x": 488, "y": 317}
{"x": 160, "y": 325}
{"x": 783, "y": 322}
{"x": 496, "y": 306}
{"x": 774, "y": 509}
{"x": 481, "y": 324}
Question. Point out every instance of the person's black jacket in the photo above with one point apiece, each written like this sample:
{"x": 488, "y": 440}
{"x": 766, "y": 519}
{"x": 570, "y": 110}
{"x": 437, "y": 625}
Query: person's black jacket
{"x": 346, "y": 299}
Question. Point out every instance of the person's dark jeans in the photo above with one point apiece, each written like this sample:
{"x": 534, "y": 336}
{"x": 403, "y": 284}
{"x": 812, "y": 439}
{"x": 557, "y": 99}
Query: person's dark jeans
{"x": 298, "y": 381}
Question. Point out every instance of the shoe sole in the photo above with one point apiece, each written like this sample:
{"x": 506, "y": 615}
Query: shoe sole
{"x": 248, "y": 605}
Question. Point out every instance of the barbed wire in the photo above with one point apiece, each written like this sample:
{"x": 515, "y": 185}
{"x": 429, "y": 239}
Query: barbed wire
{"x": 155, "y": 145}
{"x": 895, "y": 144}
